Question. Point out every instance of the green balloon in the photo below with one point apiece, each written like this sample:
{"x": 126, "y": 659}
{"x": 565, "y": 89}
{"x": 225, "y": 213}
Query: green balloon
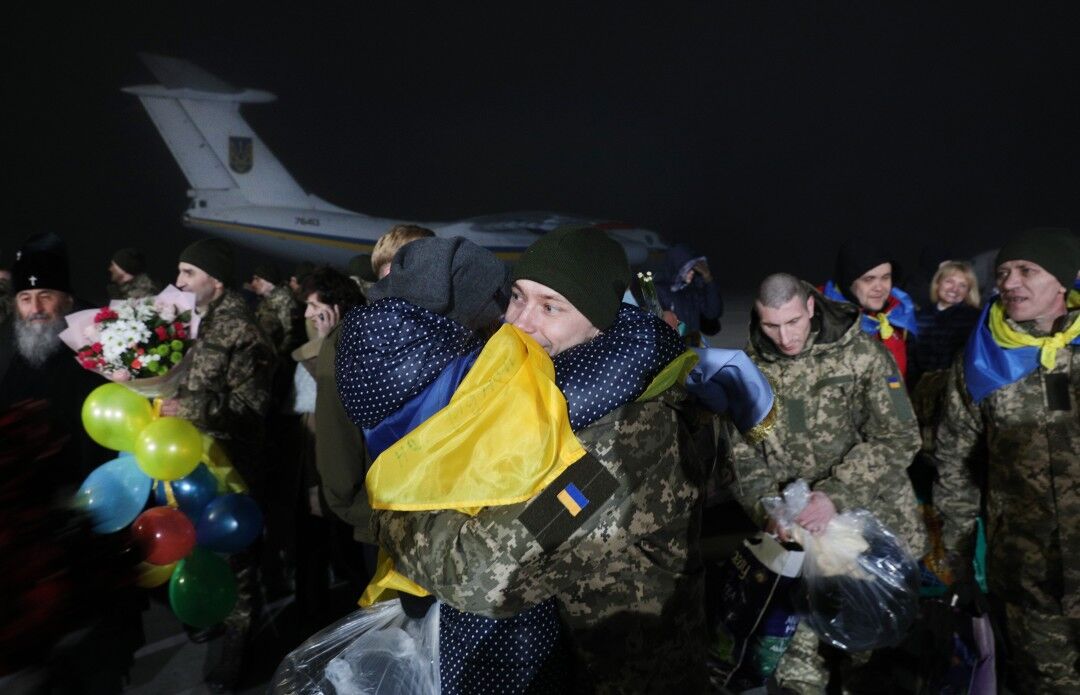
{"x": 202, "y": 589}
{"x": 113, "y": 415}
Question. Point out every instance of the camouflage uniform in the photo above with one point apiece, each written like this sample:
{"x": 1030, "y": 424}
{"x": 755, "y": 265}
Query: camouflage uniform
{"x": 1030, "y": 433}
{"x": 279, "y": 317}
{"x": 846, "y": 426}
{"x": 140, "y": 286}
{"x": 625, "y": 570}
{"x": 227, "y": 390}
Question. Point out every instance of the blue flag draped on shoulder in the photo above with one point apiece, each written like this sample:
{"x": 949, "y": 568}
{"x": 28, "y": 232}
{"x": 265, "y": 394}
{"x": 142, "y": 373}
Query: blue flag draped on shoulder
{"x": 901, "y": 315}
{"x": 989, "y": 366}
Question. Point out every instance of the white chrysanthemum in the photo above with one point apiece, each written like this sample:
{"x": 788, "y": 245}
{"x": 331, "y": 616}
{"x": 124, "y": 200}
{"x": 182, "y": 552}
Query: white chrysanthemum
{"x": 144, "y": 310}
{"x": 122, "y": 335}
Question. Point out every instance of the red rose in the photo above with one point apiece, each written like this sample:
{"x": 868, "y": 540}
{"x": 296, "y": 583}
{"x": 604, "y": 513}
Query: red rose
{"x": 140, "y": 351}
{"x": 96, "y": 347}
{"x": 106, "y": 314}
{"x": 162, "y": 332}
{"x": 88, "y": 364}
{"x": 136, "y": 364}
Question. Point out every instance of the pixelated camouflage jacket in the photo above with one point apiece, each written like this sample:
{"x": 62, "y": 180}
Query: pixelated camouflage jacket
{"x": 1025, "y": 439}
{"x": 140, "y": 286}
{"x": 227, "y": 389}
{"x": 625, "y": 569}
{"x": 280, "y": 317}
{"x": 844, "y": 424}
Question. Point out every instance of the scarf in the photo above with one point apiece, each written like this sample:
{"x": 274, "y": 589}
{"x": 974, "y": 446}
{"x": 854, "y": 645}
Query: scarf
{"x": 435, "y": 466}
{"x": 998, "y": 355}
{"x": 389, "y": 352}
{"x": 901, "y": 314}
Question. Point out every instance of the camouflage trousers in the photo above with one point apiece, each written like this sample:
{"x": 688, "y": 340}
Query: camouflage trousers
{"x": 804, "y": 667}
{"x": 1044, "y": 651}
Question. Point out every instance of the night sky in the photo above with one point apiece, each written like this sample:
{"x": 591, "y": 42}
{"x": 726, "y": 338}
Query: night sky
{"x": 761, "y": 132}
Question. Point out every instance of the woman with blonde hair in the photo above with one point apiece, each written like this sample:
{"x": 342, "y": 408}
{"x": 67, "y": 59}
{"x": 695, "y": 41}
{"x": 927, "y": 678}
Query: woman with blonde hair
{"x": 945, "y": 325}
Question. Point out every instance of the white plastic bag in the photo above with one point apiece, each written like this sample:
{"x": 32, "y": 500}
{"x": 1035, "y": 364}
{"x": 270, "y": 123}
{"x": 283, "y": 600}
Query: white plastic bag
{"x": 860, "y": 584}
{"x": 375, "y": 651}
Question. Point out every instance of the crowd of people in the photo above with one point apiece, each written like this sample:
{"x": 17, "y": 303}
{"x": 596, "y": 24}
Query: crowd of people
{"x": 516, "y": 445}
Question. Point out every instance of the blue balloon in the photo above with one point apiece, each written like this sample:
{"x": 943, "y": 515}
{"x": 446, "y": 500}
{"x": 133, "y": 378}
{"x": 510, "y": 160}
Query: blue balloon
{"x": 114, "y": 494}
{"x": 229, "y": 523}
{"x": 192, "y": 493}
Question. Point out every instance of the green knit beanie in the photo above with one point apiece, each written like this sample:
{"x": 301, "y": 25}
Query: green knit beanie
{"x": 212, "y": 256}
{"x": 583, "y": 264}
{"x": 130, "y": 260}
{"x": 1056, "y": 249}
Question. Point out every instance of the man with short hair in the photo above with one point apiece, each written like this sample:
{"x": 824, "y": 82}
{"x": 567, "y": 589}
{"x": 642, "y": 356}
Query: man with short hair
{"x": 614, "y": 537}
{"x": 846, "y": 427}
{"x": 226, "y": 394}
{"x": 1014, "y": 395}
{"x": 42, "y": 367}
{"x": 864, "y": 276}
{"x": 128, "y": 278}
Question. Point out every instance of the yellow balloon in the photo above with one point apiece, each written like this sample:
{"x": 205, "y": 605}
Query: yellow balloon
{"x": 148, "y": 576}
{"x": 113, "y": 415}
{"x": 168, "y": 448}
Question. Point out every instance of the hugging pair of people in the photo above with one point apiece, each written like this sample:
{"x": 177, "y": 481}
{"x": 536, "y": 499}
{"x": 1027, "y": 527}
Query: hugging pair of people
{"x": 531, "y": 466}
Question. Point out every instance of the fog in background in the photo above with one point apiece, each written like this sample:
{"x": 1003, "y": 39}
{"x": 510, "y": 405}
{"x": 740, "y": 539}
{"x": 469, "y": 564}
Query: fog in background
{"x": 761, "y": 132}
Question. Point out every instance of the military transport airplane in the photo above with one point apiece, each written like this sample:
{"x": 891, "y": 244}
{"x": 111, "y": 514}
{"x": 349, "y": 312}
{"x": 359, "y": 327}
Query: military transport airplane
{"x": 240, "y": 190}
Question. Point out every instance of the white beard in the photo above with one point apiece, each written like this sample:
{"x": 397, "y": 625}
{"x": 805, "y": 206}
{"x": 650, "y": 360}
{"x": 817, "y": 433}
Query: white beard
{"x": 38, "y": 341}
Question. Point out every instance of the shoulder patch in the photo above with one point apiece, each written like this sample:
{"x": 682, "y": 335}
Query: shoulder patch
{"x": 568, "y": 502}
{"x": 898, "y": 396}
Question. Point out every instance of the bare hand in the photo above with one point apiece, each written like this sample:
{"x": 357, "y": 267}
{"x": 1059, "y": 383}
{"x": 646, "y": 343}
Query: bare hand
{"x": 702, "y": 269}
{"x": 671, "y": 319}
{"x": 170, "y": 407}
{"x": 326, "y": 320}
{"x": 817, "y": 513}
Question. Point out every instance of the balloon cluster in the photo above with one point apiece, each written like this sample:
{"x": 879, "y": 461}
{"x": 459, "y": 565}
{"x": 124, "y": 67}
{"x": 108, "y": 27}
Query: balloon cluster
{"x": 180, "y": 537}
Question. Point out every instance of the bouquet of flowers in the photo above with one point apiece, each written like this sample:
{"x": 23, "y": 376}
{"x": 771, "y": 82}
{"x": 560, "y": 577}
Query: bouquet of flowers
{"x": 138, "y": 342}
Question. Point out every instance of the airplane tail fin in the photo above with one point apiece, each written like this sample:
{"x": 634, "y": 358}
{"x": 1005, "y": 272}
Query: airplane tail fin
{"x": 224, "y": 161}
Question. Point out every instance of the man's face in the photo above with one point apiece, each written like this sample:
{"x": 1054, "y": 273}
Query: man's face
{"x": 787, "y": 326}
{"x": 872, "y": 288}
{"x": 118, "y": 274}
{"x": 192, "y": 279}
{"x": 548, "y": 317}
{"x": 42, "y": 306}
{"x": 1029, "y": 292}
{"x": 260, "y": 286}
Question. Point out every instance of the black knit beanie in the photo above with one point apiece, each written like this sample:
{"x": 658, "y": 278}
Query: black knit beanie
{"x": 130, "y": 260}
{"x": 212, "y": 256}
{"x": 268, "y": 272}
{"x": 855, "y": 258}
{"x": 583, "y": 264}
{"x": 1056, "y": 249}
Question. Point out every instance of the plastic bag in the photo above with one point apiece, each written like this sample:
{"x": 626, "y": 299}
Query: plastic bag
{"x": 860, "y": 584}
{"x": 377, "y": 650}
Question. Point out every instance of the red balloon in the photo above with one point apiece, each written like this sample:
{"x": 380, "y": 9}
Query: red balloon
{"x": 164, "y": 534}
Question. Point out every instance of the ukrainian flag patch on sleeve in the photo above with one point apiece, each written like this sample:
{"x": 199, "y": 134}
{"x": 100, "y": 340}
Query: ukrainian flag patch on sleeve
{"x": 567, "y": 504}
{"x": 894, "y": 382}
{"x": 572, "y": 499}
